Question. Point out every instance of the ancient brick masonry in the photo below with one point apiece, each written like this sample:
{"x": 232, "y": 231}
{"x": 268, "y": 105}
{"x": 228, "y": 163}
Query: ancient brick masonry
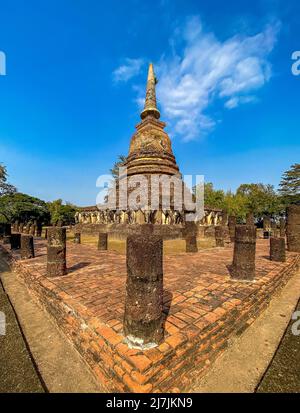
{"x": 293, "y": 228}
{"x": 277, "y": 249}
{"x": 221, "y": 235}
{"x": 27, "y": 247}
{"x": 143, "y": 318}
{"x": 231, "y": 226}
{"x": 6, "y": 233}
{"x": 56, "y": 251}
{"x": 282, "y": 227}
{"x": 190, "y": 234}
{"x": 243, "y": 264}
{"x": 102, "y": 241}
{"x": 15, "y": 241}
{"x": 250, "y": 218}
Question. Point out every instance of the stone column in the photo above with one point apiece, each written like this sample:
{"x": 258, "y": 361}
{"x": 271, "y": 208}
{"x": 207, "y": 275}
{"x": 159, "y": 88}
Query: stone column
{"x": 231, "y": 227}
{"x": 39, "y": 229}
{"x": 1, "y": 231}
{"x": 21, "y": 227}
{"x": 277, "y": 249}
{"x": 15, "y": 241}
{"x": 224, "y": 218}
{"x": 77, "y": 238}
{"x": 293, "y": 228}
{"x": 32, "y": 229}
{"x": 143, "y": 318}
{"x": 282, "y": 227}
{"x": 243, "y": 264}
{"x": 221, "y": 233}
{"x": 56, "y": 252}
{"x": 274, "y": 230}
{"x": 190, "y": 235}
{"x": 6, "y": 233}
{"x": 102, "y": 241}
{"x": 250, "y": 218}
{"x": 27, "y": 227}
{"x": 27, "y": 247}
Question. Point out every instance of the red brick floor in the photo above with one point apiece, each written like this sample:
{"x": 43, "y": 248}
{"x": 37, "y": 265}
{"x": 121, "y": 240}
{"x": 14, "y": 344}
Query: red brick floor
{"x": 199, "y": 294}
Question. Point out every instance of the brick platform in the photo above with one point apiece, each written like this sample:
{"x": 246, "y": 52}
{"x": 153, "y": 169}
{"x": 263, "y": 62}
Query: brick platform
{"x": 203, "y": 309}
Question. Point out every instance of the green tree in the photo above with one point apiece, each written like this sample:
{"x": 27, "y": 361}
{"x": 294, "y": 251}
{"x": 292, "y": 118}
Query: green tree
{"x": 64, "y": 213}
{"x": 213, "y": 198}
{"x": 24, "y": 208}
{"x": 5, "y": 187}
{"x": 260, "y": 199}
{"x": 289, "y": 187}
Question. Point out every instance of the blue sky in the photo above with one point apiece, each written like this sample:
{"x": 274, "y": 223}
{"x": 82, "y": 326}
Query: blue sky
{"x": 75, "y": 80}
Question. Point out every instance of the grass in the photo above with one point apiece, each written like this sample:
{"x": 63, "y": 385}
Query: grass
{"x": 171, "y": 247}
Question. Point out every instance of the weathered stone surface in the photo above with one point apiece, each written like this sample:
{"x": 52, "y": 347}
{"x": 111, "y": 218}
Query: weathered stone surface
{"x": 221, "y": 235}
{"x": 243, "y": 264}
{"x": 77, "y": 238}
{"x": 143, "y": 318}
{"x": 231, "y": 227}
{"x": 224, "y": 218}
{"x": 56, "y": 252}
{"x": 191, "y": 243}
{"x": 293, "y": 228}
{"x": 190, "y": 236}
{"x": 6, "y": 233}
{"x": 32, "y": 229}
{"x": 27, "y": 246}
{"x": 250, "y": 218}
{"x": 282, "y": 227}
{"x": 277, "y": 249}
{"x": 27, "y": 228}
{"x": 15, "y": 241}
{"x": 21, "y": 227}
{"x": 39, "y": 229}
{"x": 102, "y": 241}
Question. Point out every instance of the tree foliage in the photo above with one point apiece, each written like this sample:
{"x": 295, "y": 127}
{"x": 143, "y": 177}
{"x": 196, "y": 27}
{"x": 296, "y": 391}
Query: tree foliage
{"x": 5, "y": 187}
{"x": 119, "y": 163}
{"x": 289, "y": 187}
{"x": 24, "y": 208}
{"x": 64, "y": 213}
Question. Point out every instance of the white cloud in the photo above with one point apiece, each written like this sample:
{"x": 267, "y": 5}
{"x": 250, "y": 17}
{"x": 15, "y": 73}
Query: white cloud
{"x": 208, "y": 70}
{"x": 129, "y": 69}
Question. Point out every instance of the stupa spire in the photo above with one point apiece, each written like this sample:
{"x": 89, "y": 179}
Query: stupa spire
{"x": 150, "y": 107}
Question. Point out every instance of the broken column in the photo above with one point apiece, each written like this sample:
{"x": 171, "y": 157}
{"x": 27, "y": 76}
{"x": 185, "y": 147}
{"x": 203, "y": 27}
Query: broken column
{"x": 77, "y": 238}
{"x": 6, "y": 233}
{"x": 1, "y": 231}
{"x": 32, "y": 229}
{"x": 282, "y": 227}
{"x": 250, "y": 218}
{"x": 102, "y": 241}
{"x": 143, "y": 318}
{"x": 231, "y": 227}
{"x": 221, "y": 234}
{"x": 27, "y": 247}
{"x": 243, "y": 264}
{"x": 39, "y": 228}
{"x": 277, "y": 249}
{"x": 190, "y": 235}
{"x": 15, "y": 241}
{"x": 293, "y": 228}
{"x": 56, "y": 252}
